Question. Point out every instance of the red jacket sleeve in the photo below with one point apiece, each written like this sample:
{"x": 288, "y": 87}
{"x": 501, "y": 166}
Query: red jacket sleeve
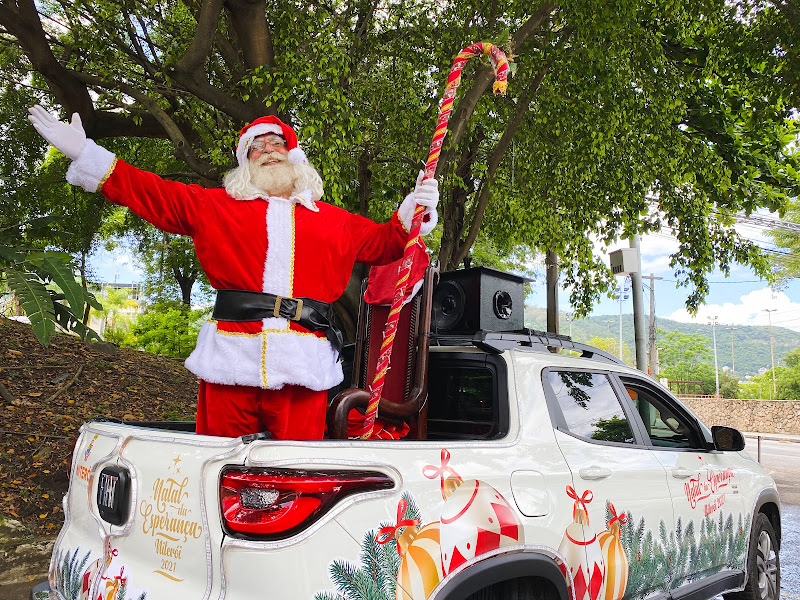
{"x": 169, "y": 205}
{"x": 377, "y": 244}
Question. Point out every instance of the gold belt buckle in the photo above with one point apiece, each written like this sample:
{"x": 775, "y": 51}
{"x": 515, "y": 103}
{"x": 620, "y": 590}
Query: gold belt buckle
{"x": 277, "y": 308}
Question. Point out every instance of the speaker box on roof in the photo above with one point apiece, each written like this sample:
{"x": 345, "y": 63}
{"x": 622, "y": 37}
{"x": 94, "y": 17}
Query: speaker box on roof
{"x": 479, "y": 298}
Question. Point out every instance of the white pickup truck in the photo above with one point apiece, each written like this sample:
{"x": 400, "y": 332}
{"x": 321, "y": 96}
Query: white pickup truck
{"x": 537, "y": 468}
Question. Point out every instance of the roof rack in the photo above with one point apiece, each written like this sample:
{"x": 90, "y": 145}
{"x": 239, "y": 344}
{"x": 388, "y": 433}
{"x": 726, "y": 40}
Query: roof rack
{"x": 529, "y": 340}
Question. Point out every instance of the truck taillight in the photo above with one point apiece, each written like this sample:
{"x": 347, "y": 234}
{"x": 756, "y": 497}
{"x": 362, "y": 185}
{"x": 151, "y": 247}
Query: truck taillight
{"x": 268, "y": 503}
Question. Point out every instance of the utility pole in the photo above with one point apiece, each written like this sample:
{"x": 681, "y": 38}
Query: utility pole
{"x": 733, "y": 357}
{"x": 638, "y": 309}
{"x": 769, "y": 312}
{"x": 621, "y": 293}
{"x": 713, "y": 321}
{"x": 654, "y": 368}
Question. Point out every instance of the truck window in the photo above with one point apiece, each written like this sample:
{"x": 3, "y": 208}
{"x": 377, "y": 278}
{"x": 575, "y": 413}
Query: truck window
{"x": 665, "y": 426}
{"x": 590, "y": 407}
{"x": 462, "y": 401}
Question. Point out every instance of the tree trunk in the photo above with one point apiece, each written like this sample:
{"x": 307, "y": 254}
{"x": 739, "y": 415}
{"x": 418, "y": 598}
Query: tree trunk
{"x": 185, "y": 282}
{"x": 551, "y": 264}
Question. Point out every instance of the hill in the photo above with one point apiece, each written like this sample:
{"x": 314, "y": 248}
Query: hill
{"x": 47, "y": 393}
{"x": 746, "y": 344}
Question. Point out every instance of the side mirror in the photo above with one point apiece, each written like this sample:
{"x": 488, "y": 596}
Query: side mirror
{"x": 727, "y": 438}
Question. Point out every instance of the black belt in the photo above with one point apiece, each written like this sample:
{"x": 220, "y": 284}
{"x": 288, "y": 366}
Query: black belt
{"x": 240, "y": 306}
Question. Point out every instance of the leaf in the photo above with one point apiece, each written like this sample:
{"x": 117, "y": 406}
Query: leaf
{"x": 35, "y": 301}
{"x": 65, "y": 279}
{"x": 67, "y": 320}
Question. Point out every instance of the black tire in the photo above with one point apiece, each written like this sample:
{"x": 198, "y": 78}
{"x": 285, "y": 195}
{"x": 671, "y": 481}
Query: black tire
{"x": 763, "y": 564}
{"x": 522, "y": 588}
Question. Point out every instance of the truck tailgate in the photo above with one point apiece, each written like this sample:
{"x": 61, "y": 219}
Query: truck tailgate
{"x": 137, "y": 513}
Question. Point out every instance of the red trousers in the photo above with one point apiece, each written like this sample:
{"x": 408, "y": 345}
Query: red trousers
{"x": 290, "y": 413}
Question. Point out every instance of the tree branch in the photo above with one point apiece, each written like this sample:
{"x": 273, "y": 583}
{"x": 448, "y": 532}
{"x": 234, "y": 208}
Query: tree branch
{"x": 200, "y": 47}
{"x": 493, "y": 163}
{"x": 182, "y": 146}
{"x": 483, "y": 77}
{"x": 25, "y": 25}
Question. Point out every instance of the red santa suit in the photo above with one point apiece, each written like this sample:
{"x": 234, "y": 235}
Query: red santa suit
{"x": 296, "y": 247}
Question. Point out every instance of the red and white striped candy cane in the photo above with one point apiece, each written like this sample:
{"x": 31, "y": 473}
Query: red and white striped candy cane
{"x": 500, "y": 64}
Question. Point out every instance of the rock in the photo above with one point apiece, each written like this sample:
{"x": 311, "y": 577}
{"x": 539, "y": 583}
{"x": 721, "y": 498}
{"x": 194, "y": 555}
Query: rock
{"x": 23, "y": 556}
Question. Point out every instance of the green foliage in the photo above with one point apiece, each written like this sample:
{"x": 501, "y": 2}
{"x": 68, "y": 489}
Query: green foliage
{"x": 115, "y": 318}
{"x": 611, "y": 345}
{"x": 786, "y": 385}
{"x": 672, "y": 555}
{"x": 167, "y": 329}
{"x": 688, "y": 103}
{"x": 27, "y": 273}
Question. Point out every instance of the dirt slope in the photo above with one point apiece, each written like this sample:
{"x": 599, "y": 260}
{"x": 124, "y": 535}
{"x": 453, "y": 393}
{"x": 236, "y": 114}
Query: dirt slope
{"x": 47, "y": 393}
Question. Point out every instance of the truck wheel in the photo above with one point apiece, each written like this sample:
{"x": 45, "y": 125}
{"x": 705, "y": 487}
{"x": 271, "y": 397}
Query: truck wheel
{"x": 522, "y": 588}
{"x": 763, "y": 564}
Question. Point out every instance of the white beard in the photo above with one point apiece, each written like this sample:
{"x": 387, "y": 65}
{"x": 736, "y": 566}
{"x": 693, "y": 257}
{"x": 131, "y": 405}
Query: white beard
{"x": 276, "y": 179}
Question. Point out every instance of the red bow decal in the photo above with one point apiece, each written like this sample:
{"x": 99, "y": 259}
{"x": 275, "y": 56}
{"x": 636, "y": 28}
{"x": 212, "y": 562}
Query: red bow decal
{"x": 391, "y": 531}
{"x": 432, "y": 471}
{"x": 621, "y": 519}
{"x": 580, "y": 503}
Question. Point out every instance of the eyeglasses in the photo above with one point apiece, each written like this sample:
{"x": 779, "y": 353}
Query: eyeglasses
{"x": 274, "y": 141}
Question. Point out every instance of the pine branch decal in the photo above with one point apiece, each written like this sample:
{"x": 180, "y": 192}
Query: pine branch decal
{"x": 376, "y": 577}
{"x": 69, "y": 574}
{"x": 372, "y": 560}
{"x": 353, "y": 582}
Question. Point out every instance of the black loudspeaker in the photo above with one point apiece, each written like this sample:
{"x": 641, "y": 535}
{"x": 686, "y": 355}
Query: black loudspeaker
{"x": 479, "y": 298}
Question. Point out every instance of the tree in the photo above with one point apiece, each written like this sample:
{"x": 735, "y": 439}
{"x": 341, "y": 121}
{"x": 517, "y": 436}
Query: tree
{"x": 677, "y": 101}
{"x": 33, "y": 266}
{"x": 686, "y": 357}
{"x": 611, "y": 345}
{"x": 116, "y": 322}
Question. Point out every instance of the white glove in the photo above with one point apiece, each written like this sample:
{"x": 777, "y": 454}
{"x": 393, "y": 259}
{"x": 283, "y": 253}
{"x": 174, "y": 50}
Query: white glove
{"x": 68, "y": 138}
{"x": 427, "y": 192}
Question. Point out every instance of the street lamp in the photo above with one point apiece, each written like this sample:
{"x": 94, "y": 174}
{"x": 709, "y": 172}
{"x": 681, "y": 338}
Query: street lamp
{"x": 733, "y": 357}
{"x": 713, "y": 321}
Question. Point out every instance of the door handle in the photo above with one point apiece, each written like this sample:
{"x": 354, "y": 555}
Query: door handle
{"x": 594, "y": 473}
{"x": 681, "y": 473}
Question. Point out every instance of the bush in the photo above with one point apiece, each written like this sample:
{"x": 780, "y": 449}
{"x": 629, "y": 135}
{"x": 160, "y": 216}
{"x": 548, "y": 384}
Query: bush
{"x": 167, "y": 329}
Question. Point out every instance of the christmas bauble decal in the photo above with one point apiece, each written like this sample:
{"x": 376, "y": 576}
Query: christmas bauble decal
{"x": 421, "y": 569}
{"x": 475, "y": 517}
{"x": 614, "y": 556}
{"x": 582, "y": 551}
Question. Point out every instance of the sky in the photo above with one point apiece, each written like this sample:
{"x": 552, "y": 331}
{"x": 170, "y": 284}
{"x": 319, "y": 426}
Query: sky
{"x": 740, "y": 299}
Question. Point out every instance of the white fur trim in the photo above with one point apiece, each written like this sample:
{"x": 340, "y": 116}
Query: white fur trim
{"x": 297, "y": 156}
{"x": 256, "y": 130}
{"x": 306, "y": 198}
{"x": 406, "y": 214}
{"x": 273, "y": 358}
{"x": 280, "y": 247}
{"x": 92, "y": 167}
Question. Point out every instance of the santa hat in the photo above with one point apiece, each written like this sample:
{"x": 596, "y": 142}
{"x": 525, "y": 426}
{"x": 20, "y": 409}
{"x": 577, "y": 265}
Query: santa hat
{"x": 263, "y": 126}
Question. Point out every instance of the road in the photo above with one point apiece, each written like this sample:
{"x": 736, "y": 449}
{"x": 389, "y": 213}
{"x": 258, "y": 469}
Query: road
{"x": 782, "y": 460}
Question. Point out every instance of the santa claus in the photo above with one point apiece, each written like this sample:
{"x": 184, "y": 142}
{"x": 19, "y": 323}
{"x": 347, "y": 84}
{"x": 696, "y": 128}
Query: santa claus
{"x": 277, "y": 257}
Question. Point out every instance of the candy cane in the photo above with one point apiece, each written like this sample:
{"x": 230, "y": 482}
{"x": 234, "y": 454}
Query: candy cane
{"x": 500, "y": 65}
